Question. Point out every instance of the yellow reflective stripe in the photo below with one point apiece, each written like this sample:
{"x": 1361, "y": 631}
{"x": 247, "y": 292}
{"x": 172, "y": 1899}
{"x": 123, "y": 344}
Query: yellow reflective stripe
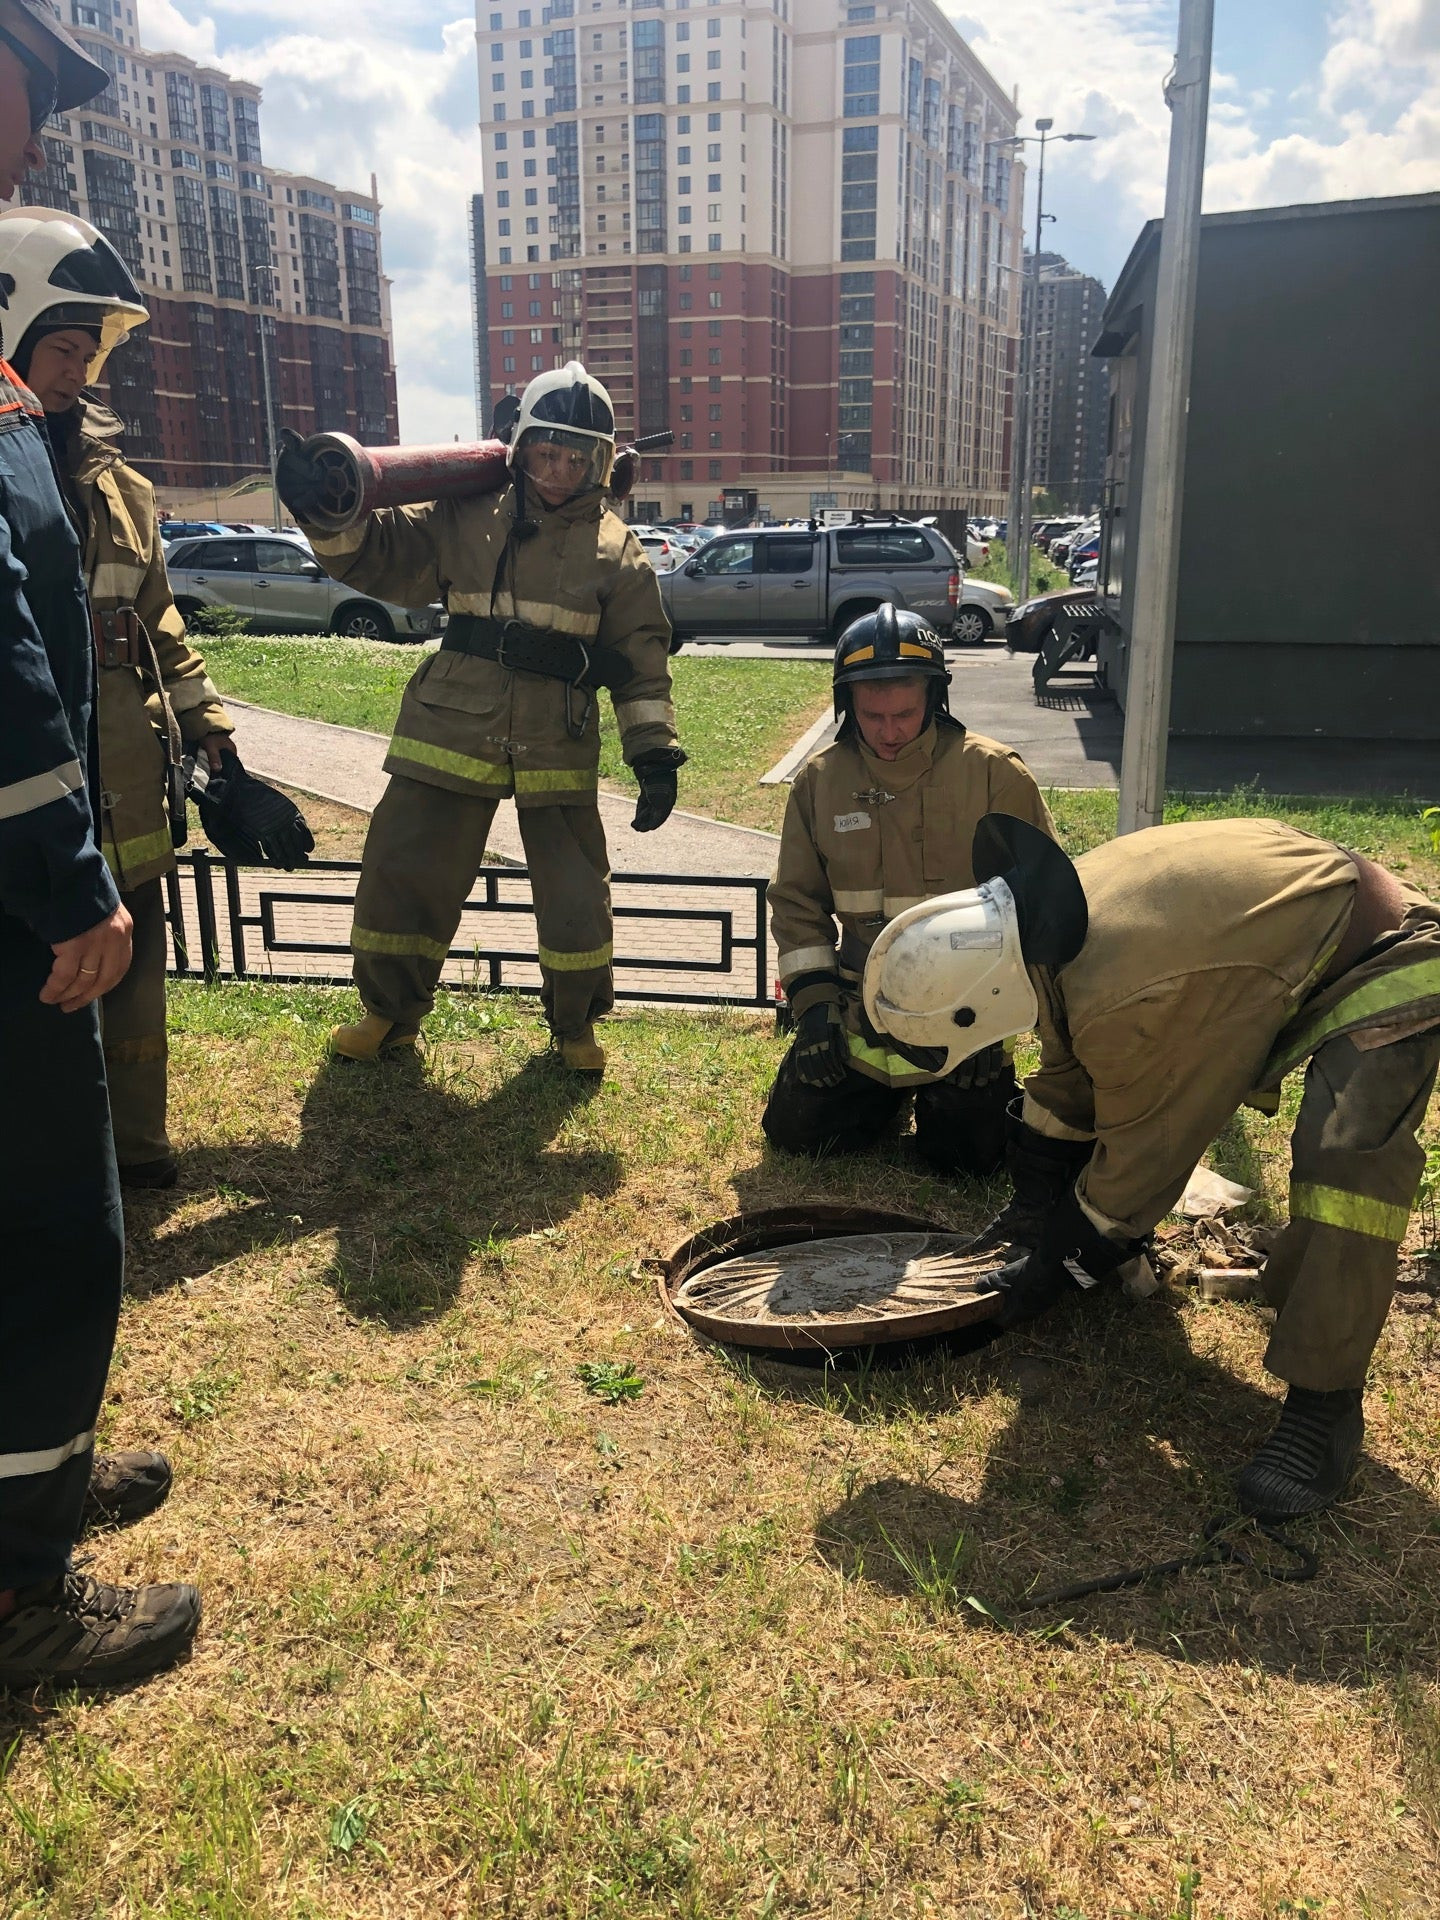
{"x": 858, "y": 900}
{"x": 465, "y": 766}
{"x": 805, "y": 960}
{"x": 576, "y": 962}
{"x": 546, "y": 615}
{"x": 908, "y": 648}
{"x": 902, "y": 903}
{"x": 134, "y": 853}
{"x": 644, "y": 713}
{"x": 557, "y": 779}
{"x": 1376, "y": 998}
{"x": 860, "y": 653}
{"x": 367, "y": 940}
{"x": 24, "y": 796}
{"x": 892, "y": 1064}
{"x": 1356, "y": 1212}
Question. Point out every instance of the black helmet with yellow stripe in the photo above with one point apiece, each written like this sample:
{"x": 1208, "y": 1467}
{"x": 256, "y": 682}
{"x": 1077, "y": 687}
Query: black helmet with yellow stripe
{"x": 890, "y": 644}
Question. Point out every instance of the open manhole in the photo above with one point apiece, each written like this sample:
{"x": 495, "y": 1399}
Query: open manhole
{"x": 816, "y": 1279}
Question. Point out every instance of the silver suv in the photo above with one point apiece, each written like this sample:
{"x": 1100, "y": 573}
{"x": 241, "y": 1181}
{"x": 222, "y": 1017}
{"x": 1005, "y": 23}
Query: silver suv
{"x": 813, "y": 581}
{"x": 282, "y": 587}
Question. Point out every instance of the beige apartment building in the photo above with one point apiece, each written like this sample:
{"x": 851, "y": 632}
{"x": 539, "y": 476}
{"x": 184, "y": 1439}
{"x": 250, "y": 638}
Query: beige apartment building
{"x": 788, "y": 233}
{"x": 167, "y": 163}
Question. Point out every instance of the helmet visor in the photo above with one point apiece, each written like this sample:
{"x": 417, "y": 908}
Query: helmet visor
{"x": 557, "y": 456}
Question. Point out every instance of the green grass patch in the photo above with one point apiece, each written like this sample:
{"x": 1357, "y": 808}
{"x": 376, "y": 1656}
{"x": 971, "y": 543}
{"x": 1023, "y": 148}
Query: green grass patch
{"x": 737, "y": 717}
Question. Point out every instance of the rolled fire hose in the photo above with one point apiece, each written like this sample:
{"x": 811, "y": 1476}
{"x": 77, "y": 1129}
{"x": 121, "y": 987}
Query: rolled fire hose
{"x": 359, "y": 479}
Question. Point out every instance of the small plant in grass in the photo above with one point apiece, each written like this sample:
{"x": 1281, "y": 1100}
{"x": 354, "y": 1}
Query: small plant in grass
{"x": 223, "y": 622}
{"x": 935, "y": 1577}
{"x": 610, "y": 1380}
{"x": 1430, "y": 820}
{"x": 204, "y": 1396}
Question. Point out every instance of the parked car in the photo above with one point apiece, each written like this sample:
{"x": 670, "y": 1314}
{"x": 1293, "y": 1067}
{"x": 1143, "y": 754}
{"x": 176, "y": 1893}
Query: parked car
{"x": 1063, "y": 546}
{"x": 1028, "y": 624}
{"x": 812, "y": 581}
{"x": 283, "y": 589}
{"x": 1084, "y": 551}
{"x": 173, "y": 530}
{"x": 1085, "y": 573}
{"x": 982, "y": 612}
{"x": 661, "y": 549}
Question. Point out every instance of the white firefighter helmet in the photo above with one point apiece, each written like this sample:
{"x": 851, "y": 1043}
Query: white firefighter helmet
{"x": 569, "y": 408}
{"x": 62, "y": 272}
{"x": 948, "y": 978}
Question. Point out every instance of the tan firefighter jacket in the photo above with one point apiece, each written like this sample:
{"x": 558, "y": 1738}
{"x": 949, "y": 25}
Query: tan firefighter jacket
{"x": 476, "y": 727}
{"x": 1198, "y": 984}
{"x": 125, "y": 567}
{"x": 865, "y": 838}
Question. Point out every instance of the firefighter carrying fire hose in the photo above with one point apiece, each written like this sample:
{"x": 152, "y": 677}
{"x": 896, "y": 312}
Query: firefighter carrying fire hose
{"x": 73, "y": 303}
{"x": 1174, "y": 975}
{"x": 878, "y": 822}
{"x": 550, "y": 599}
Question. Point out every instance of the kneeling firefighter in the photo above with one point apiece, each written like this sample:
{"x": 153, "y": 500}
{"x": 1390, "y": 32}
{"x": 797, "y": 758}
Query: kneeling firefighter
{"x": 550, "y": 598}
{"x": 883, "y": 819}
{"x": 72, "y": 302}
{"x": 1174, "y": 975}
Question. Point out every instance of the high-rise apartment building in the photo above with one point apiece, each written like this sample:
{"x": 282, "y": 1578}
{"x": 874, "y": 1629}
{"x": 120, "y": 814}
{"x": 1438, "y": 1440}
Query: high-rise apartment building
{"x": 167, "y": 163}
{"x": 788, "y": 231}
{"x": 1071, "y": 389}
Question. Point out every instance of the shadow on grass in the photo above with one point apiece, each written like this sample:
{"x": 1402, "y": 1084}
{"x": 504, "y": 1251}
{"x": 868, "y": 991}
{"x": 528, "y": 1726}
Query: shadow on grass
{"x": 1122, "y": 1444}
{"x": 414, "y": 1168}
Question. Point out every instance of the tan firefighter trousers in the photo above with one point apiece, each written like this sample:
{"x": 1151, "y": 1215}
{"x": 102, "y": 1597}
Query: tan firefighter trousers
{"x": 132, "y": 1027}
{"x": 423, "y": 850}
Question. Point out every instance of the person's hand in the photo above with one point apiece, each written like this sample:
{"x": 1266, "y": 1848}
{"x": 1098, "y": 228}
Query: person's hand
{"x": 659, "y": 787}
{"x": 982, "y": 1068}
{"x": 821, "y": 1049}
{"x": 297, "y": 477}
{"x": 88, "y": 965}
{"x": 212, "y": 745}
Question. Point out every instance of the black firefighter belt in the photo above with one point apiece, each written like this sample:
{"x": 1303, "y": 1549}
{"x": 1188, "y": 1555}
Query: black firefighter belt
{"x": 522, "y": 649}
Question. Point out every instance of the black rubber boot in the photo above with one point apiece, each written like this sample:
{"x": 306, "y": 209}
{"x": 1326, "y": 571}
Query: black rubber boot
{"x": 1308, "y": 1459}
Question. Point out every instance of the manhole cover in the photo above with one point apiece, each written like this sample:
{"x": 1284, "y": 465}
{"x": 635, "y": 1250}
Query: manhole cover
{"x": 845, "y": 1290}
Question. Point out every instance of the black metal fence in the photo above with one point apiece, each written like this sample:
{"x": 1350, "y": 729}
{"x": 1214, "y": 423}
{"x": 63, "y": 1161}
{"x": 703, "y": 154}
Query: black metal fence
{"x": 704, "y": 944}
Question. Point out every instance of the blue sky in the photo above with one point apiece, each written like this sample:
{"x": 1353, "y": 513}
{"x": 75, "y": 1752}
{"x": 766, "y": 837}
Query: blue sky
{"x": 1310, "y": 100}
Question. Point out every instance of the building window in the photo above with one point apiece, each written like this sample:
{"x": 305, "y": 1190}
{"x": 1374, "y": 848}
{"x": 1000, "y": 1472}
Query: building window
{"x": 687, "y": 469}
{"x": 712, "y": 123}
{"x": 712, "y": 60}
{"x": 717, "y": 213}
{"x": 712, "y": 29}
{"x": 687, "y": 413}
{"x": 714, "y": 469}
{"x": 715, "y": 440}
{"x": 715, "y": 412}
{"x": 682, "y": 124}
{"x": 685, "y": 356}
{"x": 714, "y": 356}
{"x": 716, "y": 300}
{"x": 682, "y": 215}
{"x": 502, "y": 198}
{"x": 682, "y": 185}
{"x": 682, "y": 63}
{"x": 714, "y": 243}
{"x": 682, "y": 94}
{"x": 502, "y": 227}
{"x": 686, "y": 302}
{"x": 687, "y": 439}
{"x": 508, "y": 363}
{"x": 862, "y": 76}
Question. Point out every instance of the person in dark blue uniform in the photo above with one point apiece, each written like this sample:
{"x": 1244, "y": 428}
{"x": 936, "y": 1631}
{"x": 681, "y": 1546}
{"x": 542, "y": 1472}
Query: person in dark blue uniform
{"x": 64, "y": 941}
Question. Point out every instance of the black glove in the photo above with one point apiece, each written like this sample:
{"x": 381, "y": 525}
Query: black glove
{"x": 656, "y": 771}
{"x": 981, "y": 1068}
{"x": 297, "y": 476}
{"x": 249, "y": 820}
{"x": 1042, "y": 1171}
{"x": 821, "y": 1051}
{"x": 1034, "y": 1281}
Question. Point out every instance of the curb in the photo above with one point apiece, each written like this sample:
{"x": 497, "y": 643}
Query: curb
{"x": 786, "y": 768}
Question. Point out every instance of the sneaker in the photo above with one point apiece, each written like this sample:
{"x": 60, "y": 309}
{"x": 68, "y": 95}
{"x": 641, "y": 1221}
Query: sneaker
{"x": 124, "y": 1487}
{"x": 75, "y": 1632}
{"x": 1308, "y": 1459}
{"x": 151, "y": 1173}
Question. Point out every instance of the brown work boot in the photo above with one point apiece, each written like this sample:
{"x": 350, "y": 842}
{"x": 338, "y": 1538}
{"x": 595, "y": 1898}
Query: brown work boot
{"x": 367, "y": 1038}
{"x": 582, "y": 1052}
{"x": 124, "y": 1487}
{"x": 75, "y": 1632}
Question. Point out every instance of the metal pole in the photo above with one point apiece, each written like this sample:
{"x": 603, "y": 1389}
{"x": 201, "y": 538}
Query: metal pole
{"x": 272, "y": 438}
{"x": 1157, "y": 561}
{"x": 1027, "y": 443}
{"x": 1017, "y": 433}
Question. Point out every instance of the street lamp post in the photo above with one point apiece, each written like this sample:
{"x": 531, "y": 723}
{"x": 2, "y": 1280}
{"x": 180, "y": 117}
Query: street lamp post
{"x": 272, "y": 438}
{"x": 1017, "y": 531}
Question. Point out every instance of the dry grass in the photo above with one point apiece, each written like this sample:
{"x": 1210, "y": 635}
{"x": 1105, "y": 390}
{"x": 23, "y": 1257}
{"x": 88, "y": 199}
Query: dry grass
{"x": 478, "y": 1643}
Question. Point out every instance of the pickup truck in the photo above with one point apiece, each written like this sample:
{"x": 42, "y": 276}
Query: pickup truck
{"x": 812, "y": 582}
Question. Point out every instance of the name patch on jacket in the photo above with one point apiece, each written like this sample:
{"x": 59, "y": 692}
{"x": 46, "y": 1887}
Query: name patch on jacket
{"x": 851, "y": 822}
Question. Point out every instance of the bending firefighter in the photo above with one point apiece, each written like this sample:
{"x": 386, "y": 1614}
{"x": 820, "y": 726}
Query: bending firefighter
{"x": 880, "y": 821}
{"x": 73, "y": 302}
{"x": 1173, "y": 975}
{"x": 550, "y": 598}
